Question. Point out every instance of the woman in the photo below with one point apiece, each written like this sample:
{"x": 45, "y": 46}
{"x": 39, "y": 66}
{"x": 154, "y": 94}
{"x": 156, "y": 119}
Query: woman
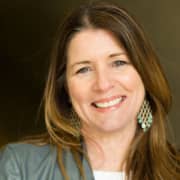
{"x": 106, "y": 104}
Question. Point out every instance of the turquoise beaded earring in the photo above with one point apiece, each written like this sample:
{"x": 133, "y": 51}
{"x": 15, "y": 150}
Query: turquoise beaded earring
{"x": 145, "y": 117}
{"x": 75, "y": 121}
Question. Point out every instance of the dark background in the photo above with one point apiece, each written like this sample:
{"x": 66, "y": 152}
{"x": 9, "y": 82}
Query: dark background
{"x": 27, "y": 28}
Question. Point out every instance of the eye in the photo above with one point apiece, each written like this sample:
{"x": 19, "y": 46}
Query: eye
{"x": 83, "y": 70}
{"x": 118, "y": 63}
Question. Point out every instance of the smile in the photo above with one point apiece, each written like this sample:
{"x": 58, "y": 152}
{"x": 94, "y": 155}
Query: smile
{"x": 109, "y": 103}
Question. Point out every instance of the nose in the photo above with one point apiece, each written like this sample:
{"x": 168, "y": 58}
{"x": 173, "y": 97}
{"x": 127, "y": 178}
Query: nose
{"x": 103, "y": 81}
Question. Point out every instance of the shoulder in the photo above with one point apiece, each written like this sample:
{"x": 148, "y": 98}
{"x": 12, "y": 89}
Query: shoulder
{"x": 22, "y": 151}
{"x": 27, "y": 161}
{"x": 21, "y": 147}
{"x": 26, "y": 158}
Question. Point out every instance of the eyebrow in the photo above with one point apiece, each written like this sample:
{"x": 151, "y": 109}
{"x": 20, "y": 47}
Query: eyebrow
{"x": 80, "y": 62}
{"x": 117, "y": 54}
{"x": 87, "y": 61}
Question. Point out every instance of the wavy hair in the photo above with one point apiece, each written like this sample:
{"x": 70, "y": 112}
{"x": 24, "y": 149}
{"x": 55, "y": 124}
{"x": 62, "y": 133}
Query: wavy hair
{"x": 150, "y": 155}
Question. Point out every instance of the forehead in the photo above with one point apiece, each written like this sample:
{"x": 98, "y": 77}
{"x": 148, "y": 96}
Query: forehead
{"x": 93, "y": 42}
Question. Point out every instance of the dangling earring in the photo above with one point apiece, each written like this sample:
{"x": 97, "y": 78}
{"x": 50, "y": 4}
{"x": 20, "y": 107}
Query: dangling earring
{"x": 75, "y": 121}
{"x": 145, "y": 117}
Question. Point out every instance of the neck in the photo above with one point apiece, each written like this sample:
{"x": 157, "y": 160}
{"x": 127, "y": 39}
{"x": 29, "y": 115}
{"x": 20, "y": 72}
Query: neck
{"x": 108, "y": 152}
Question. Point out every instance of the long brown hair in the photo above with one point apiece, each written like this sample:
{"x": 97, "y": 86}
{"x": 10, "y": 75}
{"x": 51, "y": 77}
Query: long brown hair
{"x": 150, "y": 156}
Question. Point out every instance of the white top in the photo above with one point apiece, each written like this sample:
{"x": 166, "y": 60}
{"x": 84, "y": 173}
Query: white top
{"x": 109, "y": 175}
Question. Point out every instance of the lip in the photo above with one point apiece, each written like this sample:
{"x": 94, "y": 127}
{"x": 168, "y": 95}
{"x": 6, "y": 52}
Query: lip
{"x": 104, "y": 100}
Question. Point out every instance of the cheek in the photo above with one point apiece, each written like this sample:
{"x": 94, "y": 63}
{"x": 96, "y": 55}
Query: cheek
{"x": 132, "y": 81}
{"x": 76, "y": 92}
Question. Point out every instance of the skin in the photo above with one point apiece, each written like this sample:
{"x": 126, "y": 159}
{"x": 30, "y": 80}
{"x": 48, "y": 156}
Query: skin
{"x": 106, "y": 92}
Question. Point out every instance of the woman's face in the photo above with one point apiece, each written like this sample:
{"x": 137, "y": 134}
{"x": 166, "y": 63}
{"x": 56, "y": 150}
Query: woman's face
{"x": 105, "y": 89}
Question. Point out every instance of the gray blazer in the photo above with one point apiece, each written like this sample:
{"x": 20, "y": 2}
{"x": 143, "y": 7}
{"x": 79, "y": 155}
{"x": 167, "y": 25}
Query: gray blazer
{"x": 30, "y": 162}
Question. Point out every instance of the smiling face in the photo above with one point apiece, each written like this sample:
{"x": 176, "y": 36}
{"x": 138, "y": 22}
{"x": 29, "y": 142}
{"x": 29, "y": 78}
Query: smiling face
{"x": 105, "y": 89}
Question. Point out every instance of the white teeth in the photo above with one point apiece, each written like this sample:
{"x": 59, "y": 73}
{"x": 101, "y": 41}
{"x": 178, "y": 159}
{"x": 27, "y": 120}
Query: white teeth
{"x": 109, "y": 103}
